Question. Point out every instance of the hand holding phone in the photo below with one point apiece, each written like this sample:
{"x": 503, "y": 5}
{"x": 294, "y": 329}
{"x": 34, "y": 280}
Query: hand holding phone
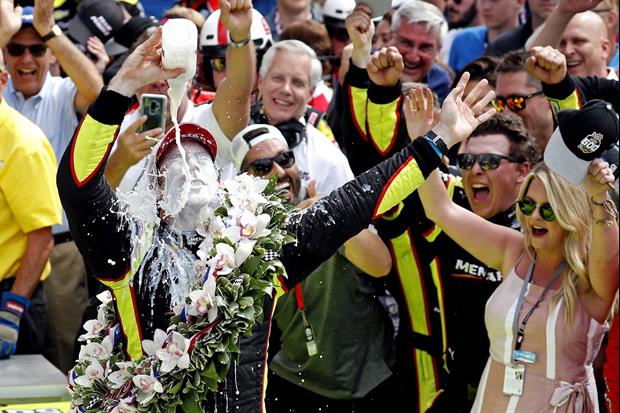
{"x": 154, "y": 108}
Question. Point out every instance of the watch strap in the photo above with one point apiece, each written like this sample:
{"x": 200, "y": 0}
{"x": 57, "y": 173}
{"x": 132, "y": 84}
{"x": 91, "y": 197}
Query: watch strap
{"x": 56, "y": 31}
{"x": 240, "y": 44}
{"x": 437, "y": 141}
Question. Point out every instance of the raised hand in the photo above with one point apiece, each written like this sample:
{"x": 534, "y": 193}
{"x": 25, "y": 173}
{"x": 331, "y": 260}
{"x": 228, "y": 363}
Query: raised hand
{"x": 419, "y": 111}
{"x": 599, "y": 180}
{"x": 12, "y": 309}
{"x": 133, "y": 146}
{"x": 459, "y": 118}
{"x": 10, "y": 21}
{"x": 385, "y": 66}
{"x": 237, "y": 18}
{"x": 142, "y": 66}
{"x": 546, "y": 64}
{"x": 43, "y": 16}
{"x": 576, "y": 6}
{"x": 97, "y": 49}
{"x": 361, "y": 30}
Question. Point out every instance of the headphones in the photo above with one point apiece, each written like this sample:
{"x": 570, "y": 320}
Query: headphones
{"x": 293, "y": 130}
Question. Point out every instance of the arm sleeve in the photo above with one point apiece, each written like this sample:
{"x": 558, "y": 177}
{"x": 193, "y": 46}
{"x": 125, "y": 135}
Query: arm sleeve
{"x": 573, "y": 92}
{"x": 326, "y": 225}
{"x": 101, "y": 234}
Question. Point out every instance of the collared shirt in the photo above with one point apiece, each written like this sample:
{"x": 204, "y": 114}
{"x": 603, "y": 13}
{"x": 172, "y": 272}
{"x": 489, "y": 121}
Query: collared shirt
{"x": 52, "y": 110}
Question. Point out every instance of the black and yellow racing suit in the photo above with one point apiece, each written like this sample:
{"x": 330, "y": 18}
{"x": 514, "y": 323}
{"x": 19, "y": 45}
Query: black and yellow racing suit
{"x": 573, "y": 92}
{"x": 441, "y": 289}
{"x": 106, "y": 236}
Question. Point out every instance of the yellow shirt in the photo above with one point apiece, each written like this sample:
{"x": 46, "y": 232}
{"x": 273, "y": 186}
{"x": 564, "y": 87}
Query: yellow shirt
{"x": 28, "y": 195}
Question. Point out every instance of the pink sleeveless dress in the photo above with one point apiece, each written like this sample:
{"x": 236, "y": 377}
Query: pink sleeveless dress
{"x": 561, "y": 380}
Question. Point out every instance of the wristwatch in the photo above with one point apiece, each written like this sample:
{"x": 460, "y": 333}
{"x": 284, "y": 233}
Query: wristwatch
{"x": 56, "y": 31}
{"x": 240, "y": 44}
{"x": 437, "y": 141}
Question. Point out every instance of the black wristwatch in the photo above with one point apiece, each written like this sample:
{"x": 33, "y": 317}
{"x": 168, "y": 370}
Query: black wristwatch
{"x": 56, "y": 31}
{"x": 437, "y": 141}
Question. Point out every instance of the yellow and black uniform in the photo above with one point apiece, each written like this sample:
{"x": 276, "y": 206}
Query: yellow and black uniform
{"x": 573, "y": 92}
{"x": 440, "y": 288}
{"x": 142, "y": 291}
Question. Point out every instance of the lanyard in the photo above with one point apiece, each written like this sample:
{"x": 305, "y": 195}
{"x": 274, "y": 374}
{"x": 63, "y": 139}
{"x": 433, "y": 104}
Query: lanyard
{"x": 519, "y": 332}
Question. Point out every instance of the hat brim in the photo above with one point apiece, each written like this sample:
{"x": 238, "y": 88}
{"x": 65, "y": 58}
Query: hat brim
{"x": 113, "y": 48}
{"x": 78, "y": 30}
{"x": 563, "y": 162}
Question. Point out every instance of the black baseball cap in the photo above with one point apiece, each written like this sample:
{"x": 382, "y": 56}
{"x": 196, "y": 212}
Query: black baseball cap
{"x": 581, "y": 136}
{"x": 100, "y": 18}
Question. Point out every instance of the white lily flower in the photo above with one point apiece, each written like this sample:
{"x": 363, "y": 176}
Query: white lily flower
{"x": 124, "y": 406}
{"x": 174, "y": 354}
{"x": 244, "y": 249}
{"x": 97, "y": 351}
{"x": 147, "y": 387}
{"x": 105, "y": 296}
{"x": 92, "y": 372}
{"x": 224, "y": 260}
{"x": 151, "y": 346}
{"x": 120, "y": 376}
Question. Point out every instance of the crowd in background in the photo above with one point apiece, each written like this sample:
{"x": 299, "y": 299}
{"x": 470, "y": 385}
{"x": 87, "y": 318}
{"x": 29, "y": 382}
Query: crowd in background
{"x": 397, "y": 316}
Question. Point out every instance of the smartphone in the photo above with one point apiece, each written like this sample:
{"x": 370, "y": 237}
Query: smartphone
{"x": 378, "y": 7}
{"x": 154, "y": 107}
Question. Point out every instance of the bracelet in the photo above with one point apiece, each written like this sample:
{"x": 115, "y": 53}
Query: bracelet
{"x": 438, "y": 143}
{"x": 239, "y": 44}
{"x": 610, "y": 208}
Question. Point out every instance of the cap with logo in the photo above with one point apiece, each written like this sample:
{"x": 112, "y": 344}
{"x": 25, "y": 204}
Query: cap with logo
{"x": 581, "y": 136}
{"x": 189, "y": 132}
{"x": 252, "y": 136}
{"x": 100, "y": 18}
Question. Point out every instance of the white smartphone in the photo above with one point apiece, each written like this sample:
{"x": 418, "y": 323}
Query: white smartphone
{"x": 378, "y": 7}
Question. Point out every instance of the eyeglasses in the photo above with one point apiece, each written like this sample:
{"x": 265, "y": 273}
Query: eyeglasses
{"x": 262, "y": 167}
{"x": 527, "y": 206}
{"x": 486, "y": 161}
{"x": 16, "y": 49}
{"x": 218, "y": 64}
{"x": 515, "y": 103}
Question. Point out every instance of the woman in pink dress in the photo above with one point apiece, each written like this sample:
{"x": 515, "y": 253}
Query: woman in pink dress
{"x": 547, "y": 318}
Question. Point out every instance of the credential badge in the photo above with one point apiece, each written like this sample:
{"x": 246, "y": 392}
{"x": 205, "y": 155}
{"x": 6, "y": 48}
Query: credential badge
{"x": 590, "y": 143}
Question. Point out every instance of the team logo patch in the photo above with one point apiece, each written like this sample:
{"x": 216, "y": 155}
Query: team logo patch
{"x": 590, "y": 143}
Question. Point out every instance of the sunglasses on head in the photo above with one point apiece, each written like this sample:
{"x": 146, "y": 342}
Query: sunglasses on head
{"x": 16, "y": 49}
{"x": 218, "y": 64}
{"x": 515, "y": 103}
{"x": 486, "y": 161}
{"x": 527, "y": 206}
{"x": 262, "y": 167}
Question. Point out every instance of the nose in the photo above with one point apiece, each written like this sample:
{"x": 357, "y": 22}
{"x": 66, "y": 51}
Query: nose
{"x": 276, "y": 170}
{"x": 567, "y": 49}
{"x": 476, "y": 169}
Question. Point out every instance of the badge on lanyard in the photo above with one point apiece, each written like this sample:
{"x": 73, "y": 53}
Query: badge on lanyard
{"x": 524, "y": 356}
{"x": 513, "y": 379}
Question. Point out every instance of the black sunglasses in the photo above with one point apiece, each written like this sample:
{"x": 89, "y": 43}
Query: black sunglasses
{"x": 16, "y": 49}
{"x": 486, "y": 161}
{"x": 515, "y": 103}
{"x": 527, "y": 206}
{"x": 262, "y": 167}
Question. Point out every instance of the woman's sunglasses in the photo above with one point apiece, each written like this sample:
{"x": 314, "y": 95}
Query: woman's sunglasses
{"x": 262, "y": 167}
{"x": 16, "y": 49}
{"x": 527, "y": 206}
{"x": 486, "y": 161}
{"x": 515, "y": 103}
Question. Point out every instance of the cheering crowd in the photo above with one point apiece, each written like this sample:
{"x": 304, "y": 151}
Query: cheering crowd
{"x": 439, "y": 232}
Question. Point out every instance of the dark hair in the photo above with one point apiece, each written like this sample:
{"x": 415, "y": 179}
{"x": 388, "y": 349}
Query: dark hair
{"x": 522, "y": 144}
{"x": 315, "y": 35}
{"x": 513, "y": 62}
{"x": 481, "y": 68}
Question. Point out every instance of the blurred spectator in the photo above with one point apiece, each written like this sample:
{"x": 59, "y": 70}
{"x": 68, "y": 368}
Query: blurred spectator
{"x": 498, "y": 16}
{"x": 213, "y": 44}
{"x": 286, "y": 12}
{"x": 315, "y": 35}
{"x": 608, "y": 10}
{"x": 288, "y": 74}
{"x": 383, "y": 31}
{"x": 462, "y": 13}
{"x": 519, "y": 92}
{"x": 515, "y": 38}
{"x": 29, "y": 206}
{"x": 334, "y": 14}
{"x": 586, "y": 47}
{"x": 51, "y": 103}
{"x": 185, "y": 13}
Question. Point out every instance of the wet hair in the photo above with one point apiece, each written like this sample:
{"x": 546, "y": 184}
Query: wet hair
{"x": 297, "y": 47}
{"x": 573, "y": 212}
{"x": 417, "y": 11}
{"x": 514, "y": 62}
{"x": 315, "y": 35}
{"x": 522, "y": 144}
{"x": 480, "y": 68}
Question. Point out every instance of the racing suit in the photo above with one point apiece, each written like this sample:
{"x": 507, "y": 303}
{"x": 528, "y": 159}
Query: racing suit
{"x": 440, "y": 288}
{"x": 106, "y": 237}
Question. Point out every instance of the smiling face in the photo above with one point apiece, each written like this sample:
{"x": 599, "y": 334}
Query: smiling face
{"x": 461, "y": 13}
{"x": 285, "y": 88}
{"x": 27, "y": 71}
{"x": 492, "y": 191}
{"x": 544, "y": 235}
{"x": 585, "y": 45}
{"x": 288, "y": 178}
{"x": 419, "y": 48}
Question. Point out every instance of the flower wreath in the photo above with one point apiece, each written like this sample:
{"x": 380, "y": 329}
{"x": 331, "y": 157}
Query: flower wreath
{"x": 244, "y": 236}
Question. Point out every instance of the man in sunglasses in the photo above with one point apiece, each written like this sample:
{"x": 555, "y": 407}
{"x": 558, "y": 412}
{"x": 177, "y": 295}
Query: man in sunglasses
{"x": 35, "y": 42}
{"x": 348, "y": 326}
